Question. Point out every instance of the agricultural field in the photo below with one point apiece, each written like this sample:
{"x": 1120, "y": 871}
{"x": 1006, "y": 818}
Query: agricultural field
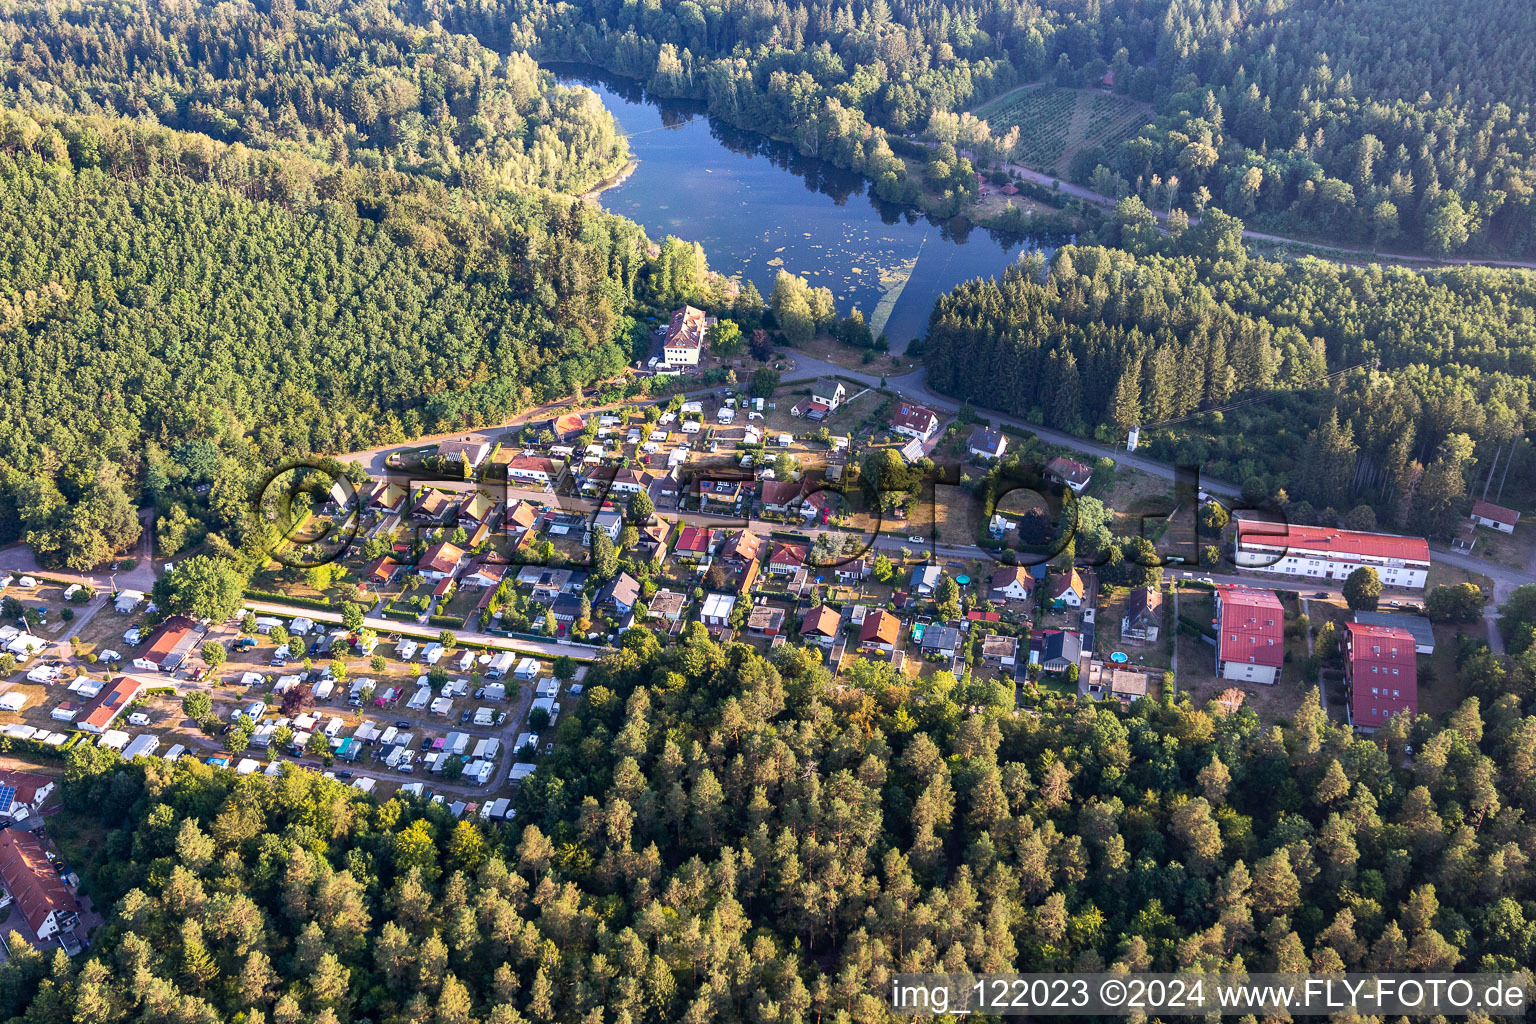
{"x": 1055, "y": 123}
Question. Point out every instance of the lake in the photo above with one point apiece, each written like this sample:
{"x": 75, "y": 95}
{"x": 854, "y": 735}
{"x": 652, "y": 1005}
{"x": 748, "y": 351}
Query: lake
{"x": 758, "y": 206}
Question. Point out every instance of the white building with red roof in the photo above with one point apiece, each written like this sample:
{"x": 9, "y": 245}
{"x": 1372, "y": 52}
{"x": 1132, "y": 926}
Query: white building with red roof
{"x": 1382, "y": 673}
{"x": 684, "y": 339}
{"x": 45, "y": 901}
{"x": 1250, "y": 634}
{"x": 1495, "y": 517}
{"x": 1324, "y": 553}
{"x": 915, "y": 420}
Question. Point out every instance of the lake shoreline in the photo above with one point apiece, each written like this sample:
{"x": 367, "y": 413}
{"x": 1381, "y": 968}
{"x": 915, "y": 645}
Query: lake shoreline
{"x": 613, "y": 180}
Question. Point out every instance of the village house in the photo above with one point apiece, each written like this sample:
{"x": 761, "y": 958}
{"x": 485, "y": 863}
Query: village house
{"x": 1250, "y": 634}
{"x": 1069, "y": 473}
{"x": 621, "y": 593}
{"x": 683, "y": 342}
{"x": 463, "y": 450}
{"x": 476, "y": 511}
{"x": 102, "y": 710}
{"x": 1000, "y": 653}
{"x": 851, "y": 571}
{"x": 1122, "y": 682}
{"x": 568, "y": 426}
{"x": 781, "y": 497}
{"x": 826, "y": 395}
{"x": 1380, "y": 673}
{"x": 534, "y": 469}
{"x": 881, "y": 632}
{"x": 987, "y": 443}
{"x": 667, "y": 606}
{"x": 433, "y": 507}
{"x": 1066, "y": 590}
{"x": 716, "y": 613}
{"x": 653, "y": 539}
{"x": 484, "y": 573}
{"x": 1055, "y": 650}
{"x": 521, "y": 517}
{"x": 940, "y": 640}
{"x": 766, "y": 620}
{"x": 45, "y": 902}
{"x": 741, "y": 549}
{"x": 543, "y": 583}
{"x": 1495, "y": 517}
{"x": 693, "y": 543}
{"x": 924, "y": 579}
{"x": 1143, "y": 617}
{"x": 381, "y": 571}
{"x": 720, "y": 495}
{"x": 387, "y": 498}
{"x": 915, "y": 420}
{"x": 820, "y": 626}
{"x": 786, "y": 559}
{"x": 440, "y": 561}
{"x": 1012, "y": 583}
{"x": 23, "y": 791}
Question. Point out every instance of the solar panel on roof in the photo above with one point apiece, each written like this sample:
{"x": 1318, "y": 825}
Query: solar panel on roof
{"x": 7, "y": 796}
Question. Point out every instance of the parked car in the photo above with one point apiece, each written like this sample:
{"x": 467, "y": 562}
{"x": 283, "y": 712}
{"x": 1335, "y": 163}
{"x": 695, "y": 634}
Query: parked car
{"x": 402, "y": 724}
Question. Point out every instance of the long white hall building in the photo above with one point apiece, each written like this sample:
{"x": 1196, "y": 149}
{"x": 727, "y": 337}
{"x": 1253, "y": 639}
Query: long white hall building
{"x": 1322, "y": 553}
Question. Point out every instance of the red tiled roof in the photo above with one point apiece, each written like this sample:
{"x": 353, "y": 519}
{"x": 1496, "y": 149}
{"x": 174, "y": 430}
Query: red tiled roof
{"x": 26, "y": 784}
{"x": 167, "y": 637}
{"x": 822, "y": 621}
{"x": 880, "y": 627}
{"x": 104, "y": 708}
{"x": 1251, "y": 626}
{"x": 781, "y": 492}
{"x": 1381, "y": 659}
{"x": 787, "y": 554}
{"x": 532, "y": 464}
{"x": 1497, "y": 513}
{"x": 694, "y": 540}
{"x": 1069, "y": 469}
{"x": 686, "y": 329}
{"x": 914, "y": 417}
{"x": 442, "y": 557}
{"x": 1331, "y": 542}
{"x": 31, "y": 879}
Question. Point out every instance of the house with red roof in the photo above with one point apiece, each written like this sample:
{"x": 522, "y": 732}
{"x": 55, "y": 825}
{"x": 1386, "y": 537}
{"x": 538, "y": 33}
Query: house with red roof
{"x": 1495, "y": 517}
{"x": 29, "y": 876}
{"x": 440, "y": 561}
{"x": 1250, "y": 634}
{"x": 1381, "y": 674}
{"x": 683, "y": 341}
{"x": 915, "y": 420}
{"x": 1325, "y": 553}
{"x": 786, "y": 559}
{"x": 23, "y": 791}
{"x": 881, "y": 632}
{"x": 534, "y": 469}
{"x": 693, "y": 543}
{"x": 1069, "y": 473}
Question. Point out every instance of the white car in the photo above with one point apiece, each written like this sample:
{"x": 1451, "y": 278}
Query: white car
{"x": 138, "y": 718}
{"x": 915, "y": 540}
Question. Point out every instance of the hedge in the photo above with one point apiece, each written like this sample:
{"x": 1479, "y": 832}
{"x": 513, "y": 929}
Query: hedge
{"x": 318, "y": 603}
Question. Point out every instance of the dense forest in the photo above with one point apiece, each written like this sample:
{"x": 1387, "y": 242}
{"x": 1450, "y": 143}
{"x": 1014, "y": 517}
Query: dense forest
{"x": 351, "y": 83}
{"x": 721, "y": 838}
{"x": 170, "y": 322}
{"x": 1331, "y": 386}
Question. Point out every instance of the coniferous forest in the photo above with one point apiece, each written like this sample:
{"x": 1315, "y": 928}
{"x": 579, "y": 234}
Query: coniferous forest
{"x": 721, "y": 838}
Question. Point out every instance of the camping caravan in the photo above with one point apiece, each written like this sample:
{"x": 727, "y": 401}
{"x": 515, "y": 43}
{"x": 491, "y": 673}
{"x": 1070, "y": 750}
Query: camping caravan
{"x": 466, "y": 661}
{"x": 500, "y": 665}
{"x": 407, "y": 650}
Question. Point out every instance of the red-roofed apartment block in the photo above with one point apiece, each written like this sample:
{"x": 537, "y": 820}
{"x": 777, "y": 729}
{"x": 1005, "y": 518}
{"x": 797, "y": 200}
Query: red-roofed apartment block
{"x": 1323, "y": 553}
{"x": 45, "y": 901}
{"x": 1250, "y": 634}
{"x": 1382, "y": 671}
